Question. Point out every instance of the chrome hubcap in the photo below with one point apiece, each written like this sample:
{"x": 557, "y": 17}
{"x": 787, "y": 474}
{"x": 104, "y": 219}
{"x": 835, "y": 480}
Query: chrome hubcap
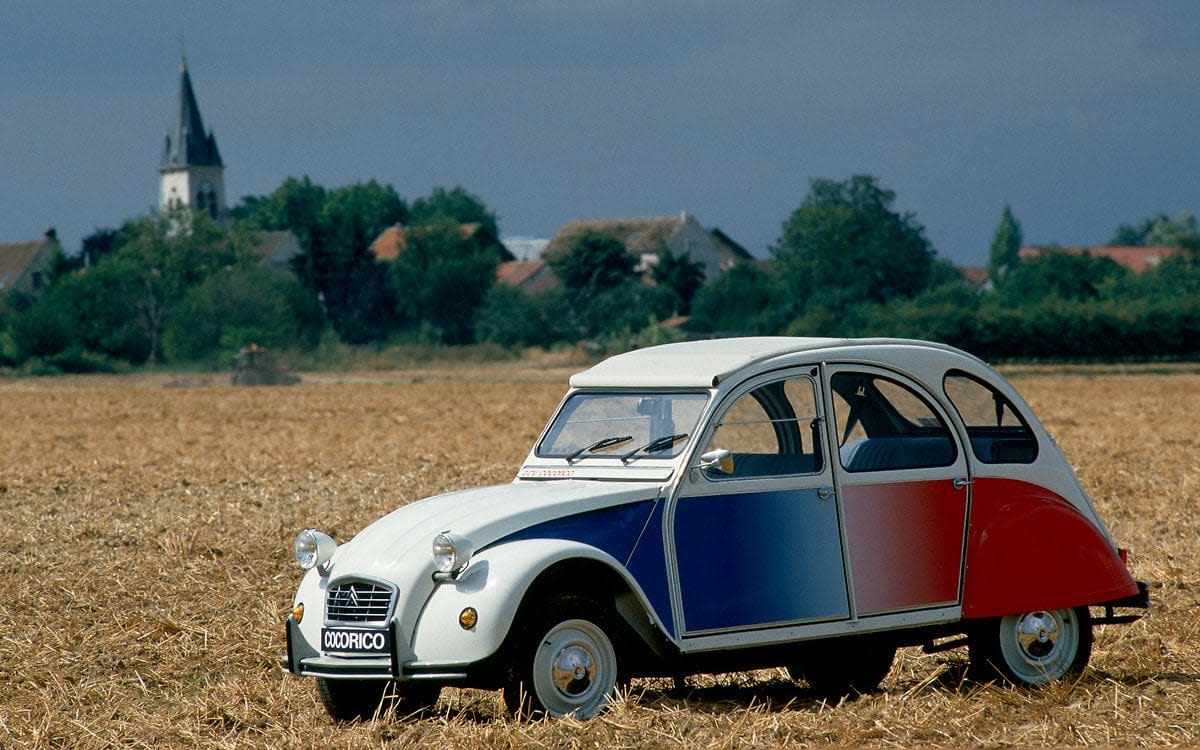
{"x": 1038, "y": 633}
{"x": 573, "y": 669}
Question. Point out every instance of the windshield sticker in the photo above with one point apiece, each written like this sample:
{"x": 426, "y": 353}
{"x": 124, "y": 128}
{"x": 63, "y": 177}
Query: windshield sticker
{"x": 529, "y": 472}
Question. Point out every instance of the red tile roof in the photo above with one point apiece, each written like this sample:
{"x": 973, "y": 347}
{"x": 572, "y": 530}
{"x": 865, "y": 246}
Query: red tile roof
{"x": 527, "y": 275}
{"x": 1136, "y": 259}
{"x": 394, "y": 240}
{"x": 977, "y": 275}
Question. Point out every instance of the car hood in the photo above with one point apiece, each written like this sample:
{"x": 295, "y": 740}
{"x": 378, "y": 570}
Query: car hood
{"x": 402, "y": 540}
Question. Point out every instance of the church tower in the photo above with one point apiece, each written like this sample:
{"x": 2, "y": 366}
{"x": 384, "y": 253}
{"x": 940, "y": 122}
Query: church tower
{"x": 192, "y": 174}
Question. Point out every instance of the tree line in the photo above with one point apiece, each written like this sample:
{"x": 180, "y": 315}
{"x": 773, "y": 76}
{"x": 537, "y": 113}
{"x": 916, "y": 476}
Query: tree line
{"x": 178, "y": 288}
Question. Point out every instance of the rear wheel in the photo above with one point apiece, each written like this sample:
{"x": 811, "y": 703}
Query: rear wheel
{"x": 1033, "y": 648}
{"x": 566, "y": 662}
{"x": 843, "y": 669}
{"x": 347, "y": 700}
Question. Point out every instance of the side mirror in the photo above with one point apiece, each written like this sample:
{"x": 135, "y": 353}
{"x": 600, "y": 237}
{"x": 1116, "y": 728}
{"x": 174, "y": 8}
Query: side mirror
{"x": 719, "y": 461}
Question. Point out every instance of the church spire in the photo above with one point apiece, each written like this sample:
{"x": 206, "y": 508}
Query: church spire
{"x": 191, "y": 174}
{"x": 187, "y": 143}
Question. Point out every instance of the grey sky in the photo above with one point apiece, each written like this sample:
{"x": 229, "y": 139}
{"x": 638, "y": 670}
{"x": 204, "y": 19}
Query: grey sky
{"x": 1081, "y": 115}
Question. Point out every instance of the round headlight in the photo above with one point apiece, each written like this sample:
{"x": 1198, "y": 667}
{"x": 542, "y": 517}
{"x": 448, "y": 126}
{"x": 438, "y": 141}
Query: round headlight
{"x": 451, "y": 552}
{"x": 313, "y": 548}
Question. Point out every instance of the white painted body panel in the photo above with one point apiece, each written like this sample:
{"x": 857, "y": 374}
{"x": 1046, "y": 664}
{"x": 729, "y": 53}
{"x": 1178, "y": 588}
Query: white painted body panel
{"x": 493, "y": 584}
{"x": 397, "y": 548}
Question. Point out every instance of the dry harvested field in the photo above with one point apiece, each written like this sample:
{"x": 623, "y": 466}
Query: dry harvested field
{"x": 145, "y": 526}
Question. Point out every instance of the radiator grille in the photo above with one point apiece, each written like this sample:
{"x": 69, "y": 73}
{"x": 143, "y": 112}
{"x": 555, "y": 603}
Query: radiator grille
{"x": 358, "y": 601}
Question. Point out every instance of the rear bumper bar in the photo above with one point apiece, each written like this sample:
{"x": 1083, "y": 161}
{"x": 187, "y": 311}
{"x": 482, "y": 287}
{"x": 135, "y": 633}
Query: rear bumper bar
{"x": 1140, "y": 600}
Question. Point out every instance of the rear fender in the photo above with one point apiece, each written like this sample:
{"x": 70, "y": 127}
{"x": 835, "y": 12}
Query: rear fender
{"x": 1029, "y": 549}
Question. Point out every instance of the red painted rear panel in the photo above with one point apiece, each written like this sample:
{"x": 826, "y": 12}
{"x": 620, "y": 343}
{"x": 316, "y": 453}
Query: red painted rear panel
{"x": 1029, "y": 549}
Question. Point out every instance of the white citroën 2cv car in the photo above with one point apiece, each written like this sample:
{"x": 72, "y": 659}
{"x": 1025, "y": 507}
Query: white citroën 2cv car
{"x": 725, "y": 505}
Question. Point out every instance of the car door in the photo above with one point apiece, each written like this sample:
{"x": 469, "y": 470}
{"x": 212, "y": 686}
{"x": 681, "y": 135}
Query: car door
{"x": 757, "y": 544}
{"x": 904, "y": 487}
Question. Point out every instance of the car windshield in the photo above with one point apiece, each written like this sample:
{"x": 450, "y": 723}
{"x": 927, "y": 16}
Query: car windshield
{"x": 623, "y": 425}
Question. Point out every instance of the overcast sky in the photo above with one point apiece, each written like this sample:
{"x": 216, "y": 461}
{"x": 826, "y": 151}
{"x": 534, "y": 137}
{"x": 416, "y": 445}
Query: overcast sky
{"x": 1082, "y": 116}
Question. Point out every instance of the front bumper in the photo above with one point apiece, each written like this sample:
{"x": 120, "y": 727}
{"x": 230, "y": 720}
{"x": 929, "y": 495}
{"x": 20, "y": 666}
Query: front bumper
{"x": 304, "y": 660}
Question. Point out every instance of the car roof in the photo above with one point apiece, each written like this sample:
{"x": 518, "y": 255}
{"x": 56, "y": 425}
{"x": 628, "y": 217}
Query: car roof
{"x": 704, "y": 364}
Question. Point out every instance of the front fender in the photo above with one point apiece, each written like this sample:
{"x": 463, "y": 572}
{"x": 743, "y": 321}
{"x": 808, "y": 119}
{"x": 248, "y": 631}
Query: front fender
{"x": 494, "y": 584}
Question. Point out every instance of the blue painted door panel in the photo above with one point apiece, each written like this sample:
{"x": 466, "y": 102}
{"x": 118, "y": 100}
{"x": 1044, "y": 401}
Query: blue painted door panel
{"x": 758, "y": 559}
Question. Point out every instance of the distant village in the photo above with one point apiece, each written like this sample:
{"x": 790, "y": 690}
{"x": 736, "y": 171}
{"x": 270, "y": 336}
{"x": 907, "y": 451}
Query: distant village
{"x": 192, "y": 175}
{"x": 684, "y": 257}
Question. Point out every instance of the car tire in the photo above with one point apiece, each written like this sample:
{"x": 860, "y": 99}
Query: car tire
{"x": 1032, "y": 648}
{"x": 836, "y": 670}
{"x": 565, "y": 661}
{"x": 347, "y": 700}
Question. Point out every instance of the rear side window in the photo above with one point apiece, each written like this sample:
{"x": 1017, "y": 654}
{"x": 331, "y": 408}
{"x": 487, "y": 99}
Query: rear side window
{"x": 883, "y": 425}
{"x": 998, "y": 433}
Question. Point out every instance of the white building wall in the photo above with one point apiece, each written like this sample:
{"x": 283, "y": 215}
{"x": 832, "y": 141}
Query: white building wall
{"x": 183, "y": 187}
{"x": 695, "y": 240}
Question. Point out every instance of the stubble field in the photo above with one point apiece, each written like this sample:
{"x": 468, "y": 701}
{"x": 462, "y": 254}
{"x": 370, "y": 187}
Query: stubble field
{"x": 145, "y": 527}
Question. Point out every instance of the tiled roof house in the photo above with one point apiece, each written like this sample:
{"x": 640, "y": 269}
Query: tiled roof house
{"x": 276, "y": 249}
{"x": 1136, "y": 259}
{"x": 530, "y": 276}
{"x": 392, "y": 242}
{"x": 22, "y": 264}
{"x": 646, "y": 238}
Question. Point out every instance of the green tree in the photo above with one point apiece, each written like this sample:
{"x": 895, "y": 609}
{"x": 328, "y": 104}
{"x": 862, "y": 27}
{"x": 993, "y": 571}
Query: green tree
{"x": 238, "y": 306}
{"x": 737, "y": 301}
{"x": 160, "y": 257}
{"x": 1179, "y": 232}
{"x": 456, "y": 204}
{"x": 296, "y": 205}
{"x": 1176, "y": 278}
{"x": 593, "y": 262}
{"x": 441, "y": 278}
{"x": 98, "y": 245}
{"x": 1160, "y": 231}
{"x": 338, "y": 264}
{"x": 335, "y": 229}
{"x": 1004, "y": 253}
{"x": 624, "y": 309}
{"x": 1129, "y": 235}
{"x": 509, "y": 317}
{"x": 1062, "y": 275}
{"x": 845, "y": 245}
{"x": 681, "y": 275}
{"x": 103, "y": 307}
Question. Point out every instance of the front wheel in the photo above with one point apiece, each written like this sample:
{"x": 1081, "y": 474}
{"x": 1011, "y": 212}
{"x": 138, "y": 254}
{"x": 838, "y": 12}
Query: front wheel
{"x": 1034, "y": 648}
{"x": 566, "y": 664}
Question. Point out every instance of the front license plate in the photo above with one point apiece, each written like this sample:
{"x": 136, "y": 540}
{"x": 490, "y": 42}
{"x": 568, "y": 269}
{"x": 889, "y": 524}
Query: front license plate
{"x": 356, "y": 641}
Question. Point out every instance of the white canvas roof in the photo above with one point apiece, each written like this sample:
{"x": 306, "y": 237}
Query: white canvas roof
{"x": 692, "y": 364}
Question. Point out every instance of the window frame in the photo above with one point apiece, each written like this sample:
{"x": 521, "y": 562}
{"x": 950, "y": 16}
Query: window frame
{"x": 1027, "y": 432}
{"x": 814, "y": 426}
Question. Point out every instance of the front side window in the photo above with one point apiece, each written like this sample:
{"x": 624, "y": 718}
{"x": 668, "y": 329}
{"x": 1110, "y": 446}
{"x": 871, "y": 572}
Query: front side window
{"x": 772, "y": 430}
{"x": 883, "y": 425}
{"x": 998, "y": 434}
{"x": 627, "y": 425}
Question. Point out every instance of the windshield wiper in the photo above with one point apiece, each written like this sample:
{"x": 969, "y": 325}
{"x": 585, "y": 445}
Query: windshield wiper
{"x": 602, "y": 443}
{"x": 656, "y": 445}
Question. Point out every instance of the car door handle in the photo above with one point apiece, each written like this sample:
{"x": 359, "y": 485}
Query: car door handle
{"x": 825, "y": 493}
{"x": 960, "y": 482}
